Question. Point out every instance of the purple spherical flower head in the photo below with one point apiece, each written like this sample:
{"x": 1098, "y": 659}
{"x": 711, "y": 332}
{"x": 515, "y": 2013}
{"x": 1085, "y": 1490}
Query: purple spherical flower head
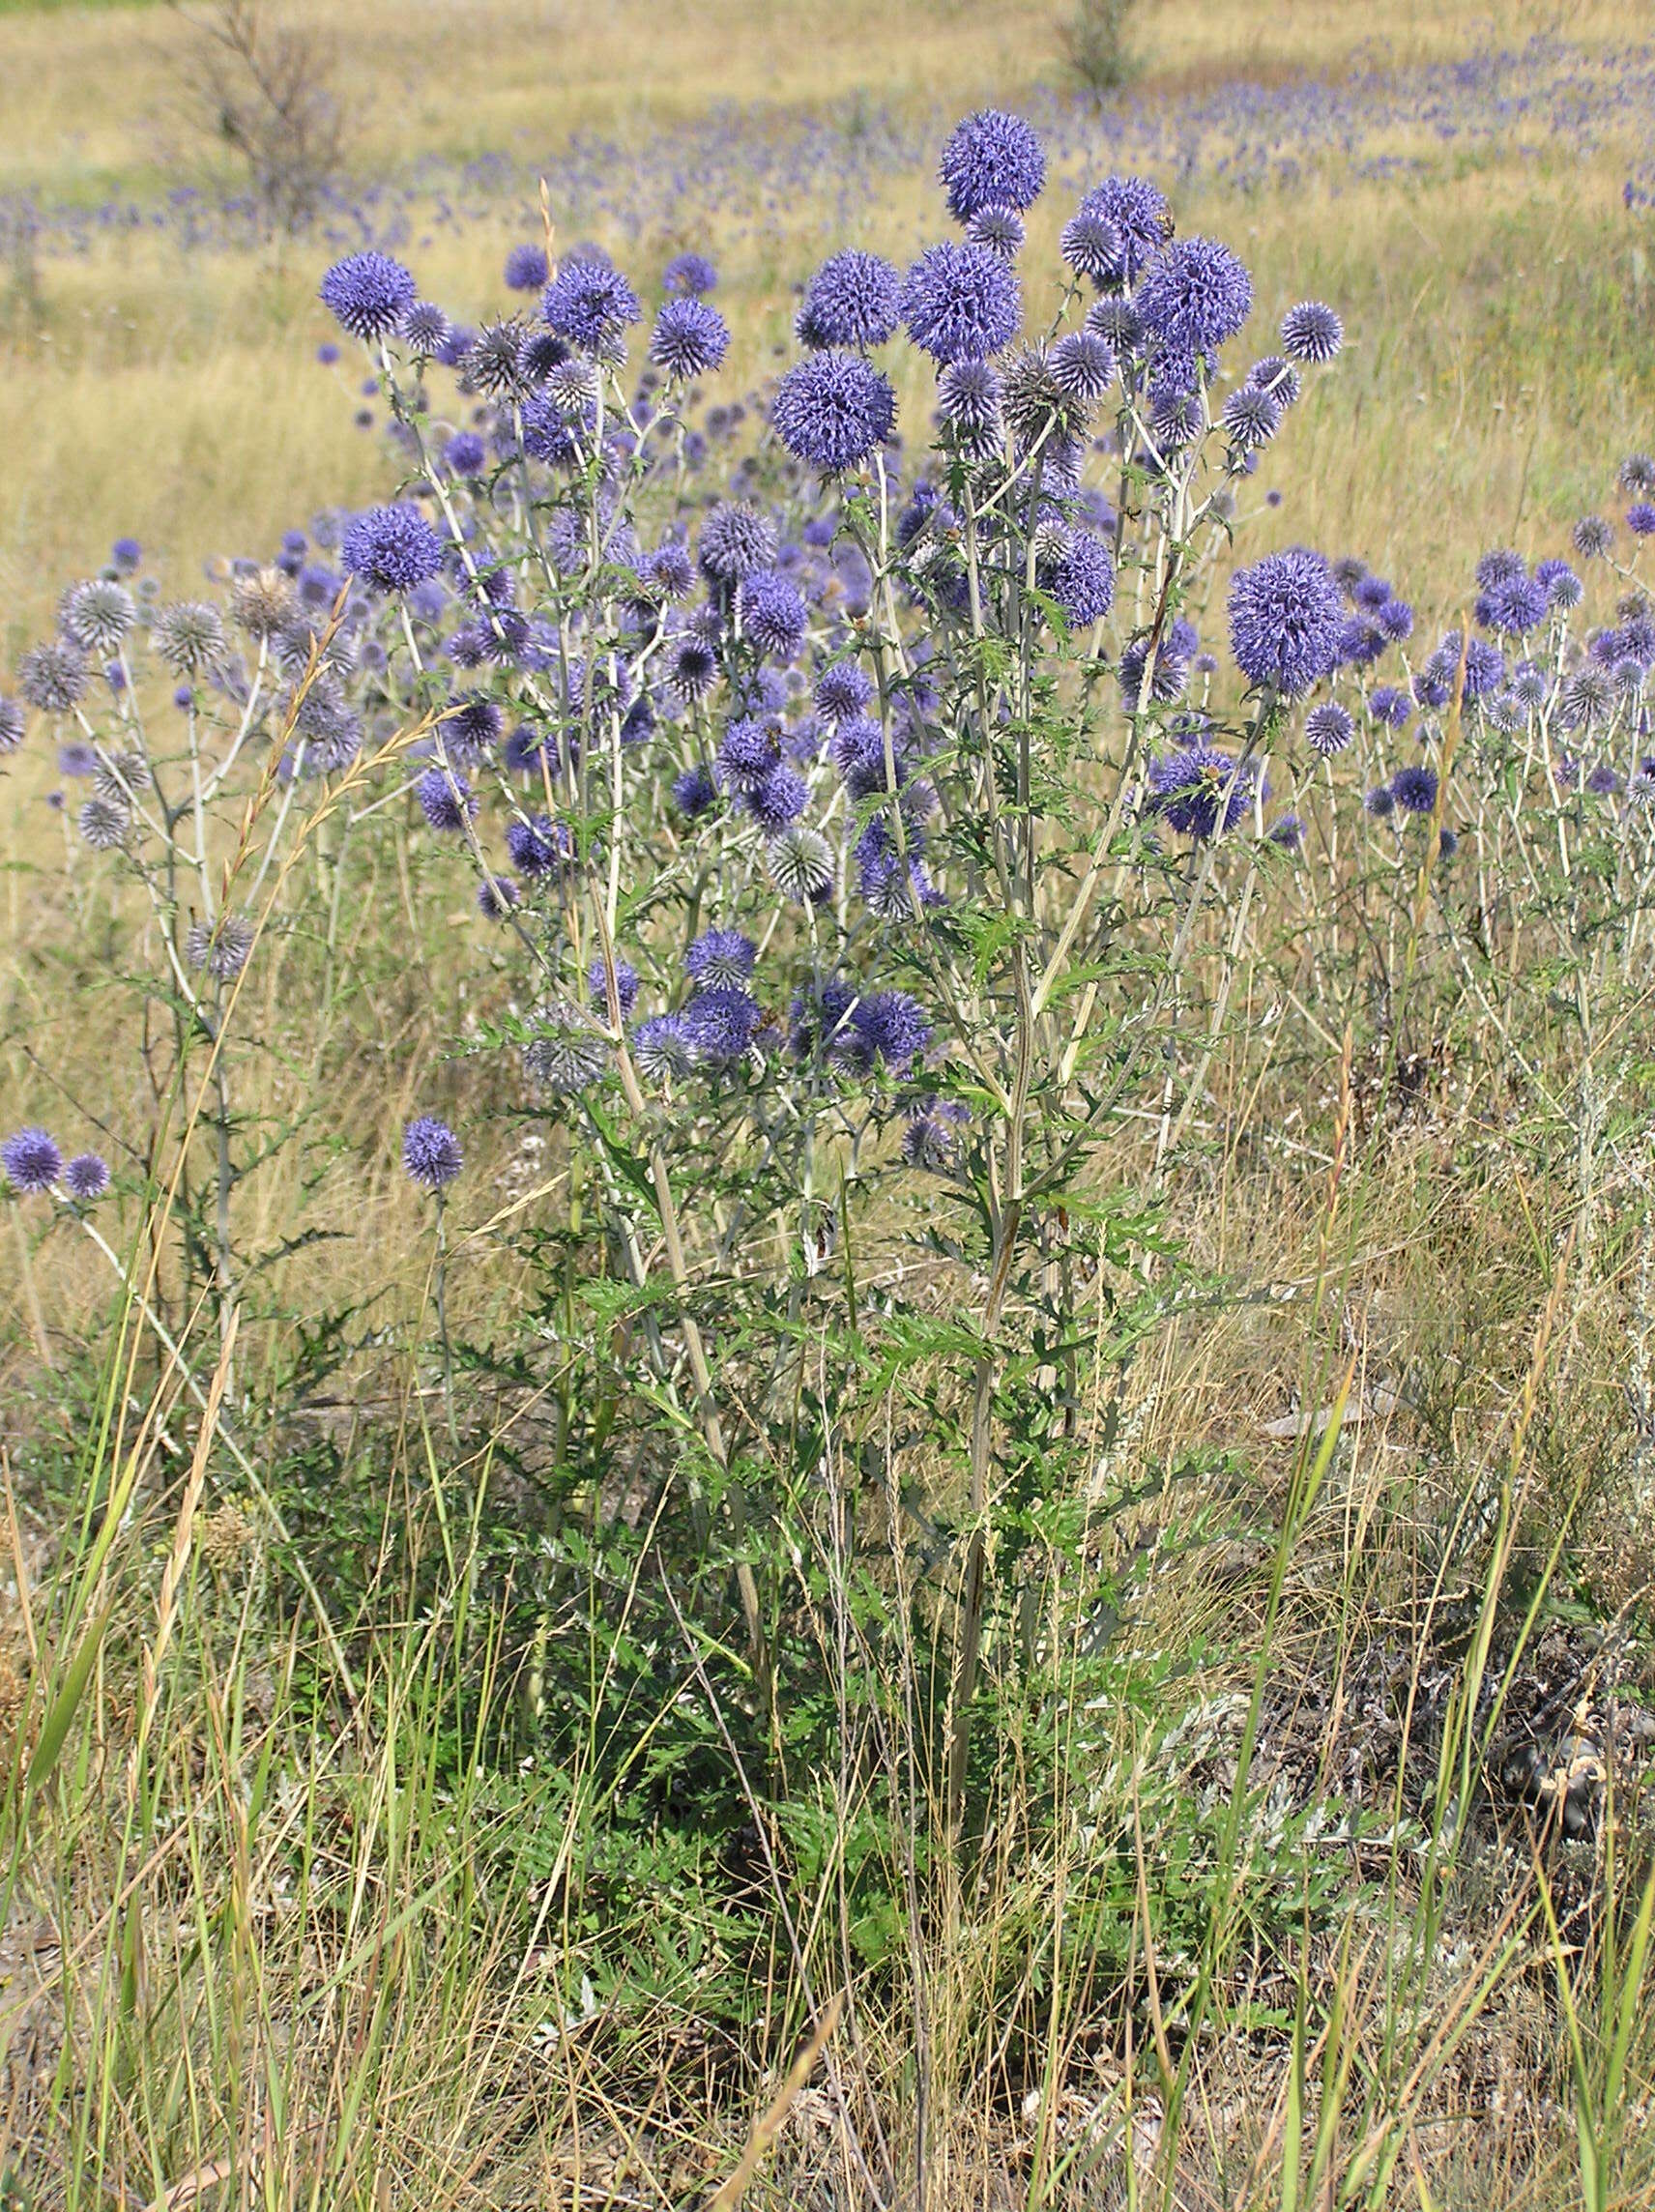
{"x": 689, "y": 275}
{"x": 1251, "y": 419}
{"x": 689, "y": 338}
{"x": 843, "y": 689}
{"x": 589, "y": 304}
{"x": 662, "y": 1048}
{"x": 1287, "y": 833}
{"x": 445, "y": 799}
{"x": 1197, "y": 786}
{"x": 1395, "y": 618}
{"x": 694, "y": 791}
{"x": 431, "y": 1153}
{"x": 53, "y": 675}
{"x": 496, "y": 896}
{"x": 86, "y": 1178}
{"x": 749, "y": 750}
{"x": 368, "y": 294}
{"x": 1195, "y": 297}
{"x": 526, "y": 267}
{"x": 1083, "y": 580}
{"x": 538, "y": 848}
{"x": 1142, "y": 219}
{"x": 669, "y": 570}
{"x": 851, "y": 301}
{"x": 466, "y": 454}
{"x": 1328, "y": 729}
{"x": 1276, "y": 376}
{"x": 719, "y": 1024}
{"x": 1311, "y": 332}
{"x": 1563, "y": 587}
{"x": 1094, "y": 247}
{"x": 626, "y": 987}
{"x": 833, "y": 409}
{"x": 1593, "y": 538}
{"x": 968, "y": 404}
{"x": 1415, "y": 788}
{"x": 1513, "y": 607}
{"x": 1378, "y": 802}
{"x": 1001, "y": 229}
{"x": 778, "y": 799}
{"x": 692, "y": 670}
{"x": 991, "y": 160}
{"x": 961, "y": 303}
{"x": 891, "y": 1025}
{"x": 1641, "y": 519}
{"x": 1284, "y": 620}
{"x": 13, "y": 723}
{"x": 31, "y": 1160}
{"x": 1636, "y": 472}
{"x": 736, "y": 540}
{"x": 720, "y": 959}
{"x": 126, "y": 555}
{"x": 1499, "y": 565}
{"x": 772, "y": 614}
{"x": 1082, "y": 367}
{"x": 391, "y": 548}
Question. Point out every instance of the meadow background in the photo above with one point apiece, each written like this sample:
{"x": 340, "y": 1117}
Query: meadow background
{"x": 449, "y": 2018}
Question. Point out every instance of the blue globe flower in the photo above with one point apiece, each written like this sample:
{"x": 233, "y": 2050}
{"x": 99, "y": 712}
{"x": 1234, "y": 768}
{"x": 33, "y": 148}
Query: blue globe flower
{"x": 991, "y": 160}
{"x": 431, "y": 1155}
{"x": 368, "y": 294}
{"x": 689, "y": 338}
{"x": 1195, "y": 297}
{"x": 961, "y": 303}
{"x": 1284, "y": 621}
{"x": 832, "y": 410}
{"x": 392, "y": 548}
{"x": 851, "y": 301}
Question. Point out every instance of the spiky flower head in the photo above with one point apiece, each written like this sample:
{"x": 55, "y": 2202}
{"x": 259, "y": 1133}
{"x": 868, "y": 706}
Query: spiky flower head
{"x": 1277, "y": 376}
{"x": 98, "y": 615}
{"x": 496, "y": 362}
{"x": 662, "y": 1049}
{"x": 931, "y": 1137}
{"x": 772, "y": 613}
{"x": 445, "y": 799}
{"x": 526, "y": 267}
{"x": 1251, "y": 419}
{"x": 801, "y": 863}
{"x": 54, "y": 675}
{"x": 368, "y": 294}
{"x": 263, "y": 603}
{"x": 431, "y": 1155}
{"x": 720, "y": 1023}
{"x": 1328, "y": 728}
{"x": 391, "y": 548}
{"x": 565, "y": 1052}
{"x": 961, "y": 303}
{"x": 590, "y": 303}
{"x": 1284, "y": 621}
{"x": 991, "y": 160}
{"x": 1636, "y": 472}
{"x": 694, "y": 668}
{"x": 690, "y": 338}
{"x": 1141, "y": 217}
{"x": 426, "y": 329}
{"x": 1199, "y": 789}
{"x": 850, "y": 300}
{"x": 1311, "y": 332}
{"x": 86, "y": 1178}
{"x": 1094, "y": 247}
{"x": 223, "y": 948}
{"x": 1413, "y": 787}
{"x": 690, "y": 273}
{"x": 538, "y": 848}
{"x": 1081, "y": 579}
{"x": 31, "y": 1160}
{"x": 720, "y": 959}
{"x": 1593, "y": 538}
{"x": 1000, "y": 228}
{"x": 189, "y": 637}
{"x": 968, "y": 405}
{"x": 103, "y": 823}
{"x": 626, "y": 987}
{"x": 734, "y": 540}
{"x": 496, "y": 896}
{"x": 832, "y": 410}
{"x": 13, "y": 723}
{"x": 1195, "y": 297}
{"x": 1082, "y": 367}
